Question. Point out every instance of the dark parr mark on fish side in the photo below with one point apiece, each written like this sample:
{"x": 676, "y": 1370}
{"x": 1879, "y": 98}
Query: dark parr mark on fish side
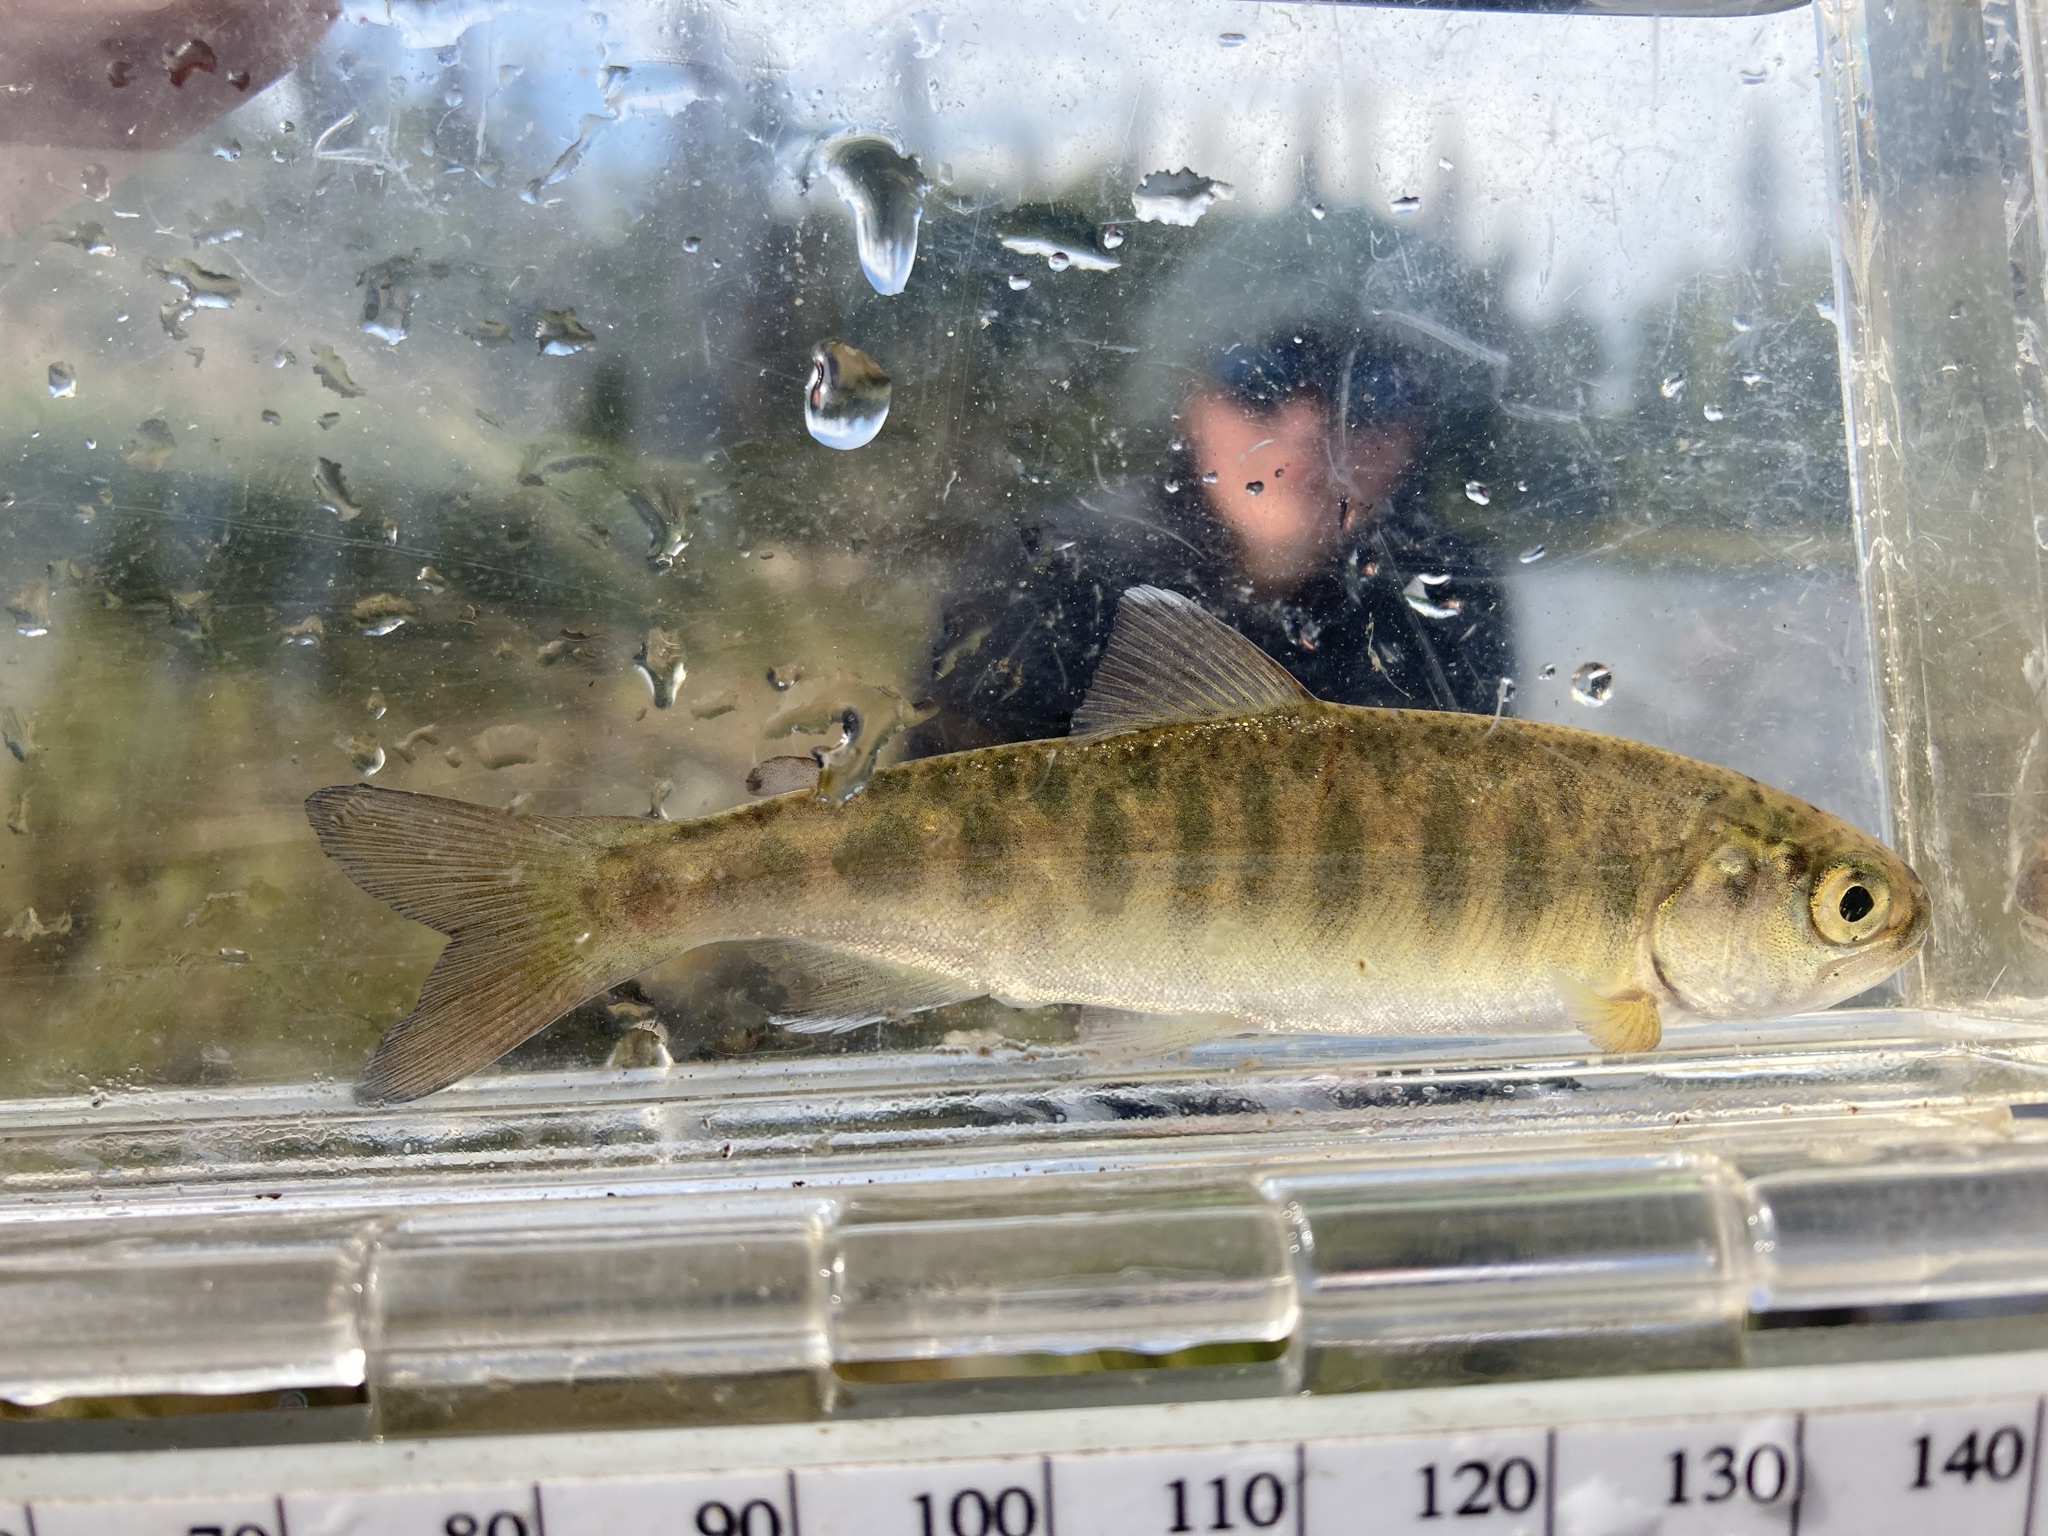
{"x": 985, "y": 869}
{"x": 1194, "y": 836}
{"x": 1339, "y": 861}
{"x": 1054, "y": 791}
{"x": 882, "y": 854}
{"x": 1526, "y": 890}
{"x": 1446, "y": 858}
{"x": 1106, "y": 867}
{"x": 1377, "y": 748}
{"x": 776, "y": 855}
{"x": 1259, "y": 828}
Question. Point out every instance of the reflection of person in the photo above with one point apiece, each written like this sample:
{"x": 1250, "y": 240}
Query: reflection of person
{"x": 110, "y": 83}
{"x": 1296, "y": 510}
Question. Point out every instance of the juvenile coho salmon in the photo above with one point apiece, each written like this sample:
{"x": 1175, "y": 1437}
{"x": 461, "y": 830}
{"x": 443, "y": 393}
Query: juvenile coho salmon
{"x": 1210, "y": 840}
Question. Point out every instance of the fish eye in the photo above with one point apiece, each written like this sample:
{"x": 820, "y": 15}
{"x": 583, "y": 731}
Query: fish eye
{"x": 1849, "y": 904}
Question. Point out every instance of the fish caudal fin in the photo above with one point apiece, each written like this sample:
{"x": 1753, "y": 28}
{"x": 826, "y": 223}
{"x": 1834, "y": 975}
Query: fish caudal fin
{"x": 1619, "y": 1024}
{"x": 511, "y": 893}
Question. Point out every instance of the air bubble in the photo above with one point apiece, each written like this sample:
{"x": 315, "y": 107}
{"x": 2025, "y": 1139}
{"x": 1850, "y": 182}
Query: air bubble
{"x": 1713, "y": 412}
{"x": 375, "y": 705}
{"x": 1402, "y": 206}
{"x": 1593, "y": 684}
{"x": 363, "y": 752}
{"x": 1112, "y": 237}
{"x": 1477, "y": 493}
{"x": 1254, "y": 487}
{"x": 1019, "y": 282}
{"x": 561, "y": 334}
{"x": 1533, "y": 553}
{"x": 1230, "y": 39}
{"x": 63, "y": 382}
{"x": 1673, "y": 386}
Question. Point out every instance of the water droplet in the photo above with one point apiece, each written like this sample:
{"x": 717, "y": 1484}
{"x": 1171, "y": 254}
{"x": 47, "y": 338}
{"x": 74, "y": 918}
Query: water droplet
{"x": 712, "y": 705}
{"x": 152, "y": 446}
{"x": 661, "y": 663}
{"x": 1433, "y": 597}
{"x": 1503, "y": 694}
{"x": 1060, "y": 254}
{"x": 1406, "y": 204}
{"x": 335, "y": 496}
{"x": 785, "y": 677}
{"x": 1548, "y": 670}
{"x": 18, "y": 731}
{"x": 847, "y": 398}
{"x": 381, "y": 612}
{"x": 693, "y": 244}
{"x": 92, "y": 181}
{"x": 89, "y": 237}
{"x": 1254, "y": 487}
{"x": 2041, "y": 531}
{"x": 1019, "y": 282}
{"x": 1673, "y": 386}
{"x": 119, "y": 73}
{"x": 1533, "y": 553}
{"x": 333, "y": 372}
{"x": 363, "y": 752}
{"x": 567, "y": 161}
{"x": 234, "y": 956}
{"x": 1752, "y": 77}
{"x": 388, "y": 295}
{"x": 30, "y": 609}
{"x": 375, "y": 704}
{"x": 1825, "y": 308}
{"x": 885, "y": 191}
{"x": 1177, "y": 197}
{"x": 1712, "y": 412}
{"x": 506, "y": 746}
{"x": 1318, "y": 212}
{"x": 306, "y": 632}
{"x": 329, "y": 419}
{"x": 561, "y": 334}
{"x": 1172, "y": 487}
{"x": 228, "y": 149}
{"x": 1741, "y": 324}
{"x": 1477, "y": 493}
{"x": 1230, "y": 39}
{"x": 1593, "y": 684}
{"x": 1208, "y": 477}
{"x": 189, "y": 58}
{"x": 661, "y": 508}
{"x": 283, "y": 357}
{"x": 63, "y": 382}
{"x": 272, "y": 419}
{"x": 431, "y": 579}
{"x": 1112, "y": 237}
{"x": 1750, "y": 378}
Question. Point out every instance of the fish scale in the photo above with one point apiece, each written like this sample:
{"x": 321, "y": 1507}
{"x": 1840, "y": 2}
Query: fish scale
{"x": 1212, "y": 841}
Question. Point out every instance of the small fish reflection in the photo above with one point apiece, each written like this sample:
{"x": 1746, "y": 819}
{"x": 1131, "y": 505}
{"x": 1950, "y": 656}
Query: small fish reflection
{"x": 885, "y": 191}
{"x": 847, "y": 398}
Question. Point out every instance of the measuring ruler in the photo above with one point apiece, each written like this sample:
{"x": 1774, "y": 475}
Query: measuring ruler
{"x": 1920, "y": 1448}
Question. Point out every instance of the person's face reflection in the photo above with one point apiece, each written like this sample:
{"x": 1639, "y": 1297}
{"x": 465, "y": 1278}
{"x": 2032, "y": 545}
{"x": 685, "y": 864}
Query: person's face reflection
{"x": 1311, "y": 482}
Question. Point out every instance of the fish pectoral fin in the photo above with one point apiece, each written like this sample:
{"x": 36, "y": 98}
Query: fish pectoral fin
{"x": 1169, "y": 663}
{"x": 1625, "y": 1022}
{"x": 1115, "y": 1033}
{"x": 829, "y": 991}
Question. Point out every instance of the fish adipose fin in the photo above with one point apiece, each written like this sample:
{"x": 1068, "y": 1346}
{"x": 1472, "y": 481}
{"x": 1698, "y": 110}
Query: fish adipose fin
{"x": 1169, "y": 663}
{"x": 830, "y": 991}
{"x": 1620, "y": 1024}
{"x": 504, "y": 890}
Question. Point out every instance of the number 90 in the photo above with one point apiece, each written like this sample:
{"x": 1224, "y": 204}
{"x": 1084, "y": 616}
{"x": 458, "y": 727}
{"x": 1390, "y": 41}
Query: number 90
{"x": 756, "y": 1517}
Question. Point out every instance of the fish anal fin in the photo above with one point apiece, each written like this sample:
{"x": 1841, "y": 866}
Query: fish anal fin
{"x": 1169, "y": 663}
{"x": 829, "y": 991}
{"x": 1620, "y": 1024}
{"x": 1113, "y": 1034}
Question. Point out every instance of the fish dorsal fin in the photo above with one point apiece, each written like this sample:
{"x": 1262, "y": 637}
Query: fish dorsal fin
{"x": 1169, "y": 663}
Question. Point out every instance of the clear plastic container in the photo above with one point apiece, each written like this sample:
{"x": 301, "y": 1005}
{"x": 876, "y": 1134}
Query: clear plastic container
{"x": 480, "y": 399}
